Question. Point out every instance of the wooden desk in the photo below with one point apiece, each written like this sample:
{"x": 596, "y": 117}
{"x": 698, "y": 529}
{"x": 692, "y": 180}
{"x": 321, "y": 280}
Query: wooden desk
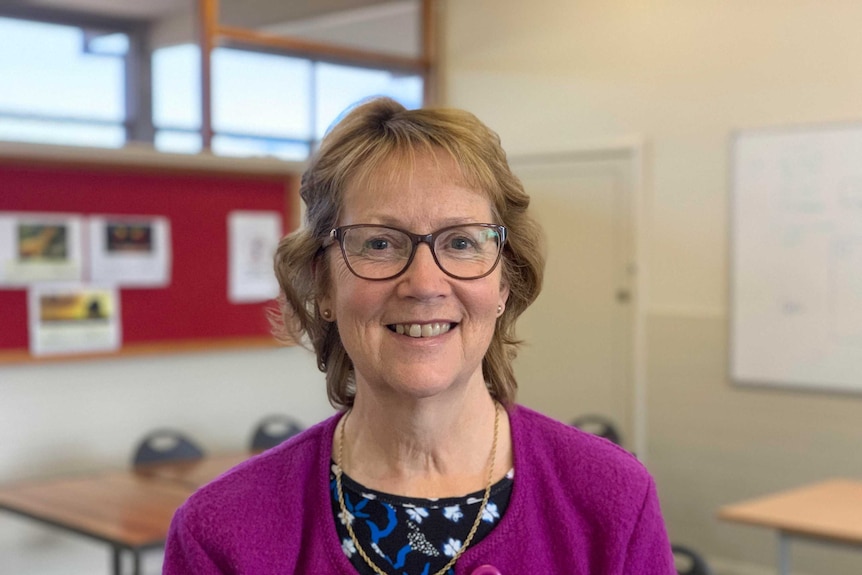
{"x": 830, "y": 510}
{"x": 131, "y": 510}
{"x": 126, "y": 510}
{"x": 194, "y": 473}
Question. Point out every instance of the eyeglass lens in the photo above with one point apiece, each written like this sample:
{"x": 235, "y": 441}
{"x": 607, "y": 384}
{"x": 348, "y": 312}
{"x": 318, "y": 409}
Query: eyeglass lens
{"x": 379, "y": 252}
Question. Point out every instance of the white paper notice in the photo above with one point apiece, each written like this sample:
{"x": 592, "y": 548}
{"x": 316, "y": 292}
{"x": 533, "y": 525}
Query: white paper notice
{"x": 73, "y": 318}
{"x": 252, "y": 241}
{"x": 130, "y": 251}
{"x": 37, "y": 247}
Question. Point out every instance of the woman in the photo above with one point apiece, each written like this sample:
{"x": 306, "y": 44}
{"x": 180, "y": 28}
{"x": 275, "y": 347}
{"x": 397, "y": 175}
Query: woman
{"x": 417, "y": 256}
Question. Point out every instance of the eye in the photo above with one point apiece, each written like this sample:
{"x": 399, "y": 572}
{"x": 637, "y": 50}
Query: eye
{"x": 377, "y": 244}
{"x": 460, "y": 243}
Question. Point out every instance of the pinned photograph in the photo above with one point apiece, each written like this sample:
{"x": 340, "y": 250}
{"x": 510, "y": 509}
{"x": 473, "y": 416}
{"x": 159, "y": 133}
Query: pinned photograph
{"x": 130, "y": 251}
{"x": 129, "y": 237}
{"x": 39, "y": 247}
{"x": 42, "y": 242}
{"x": 73, "y": 319}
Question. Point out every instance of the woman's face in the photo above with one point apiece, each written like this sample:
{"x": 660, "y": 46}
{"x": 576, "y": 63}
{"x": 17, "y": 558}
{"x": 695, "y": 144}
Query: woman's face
{"x": 369, "y": 313}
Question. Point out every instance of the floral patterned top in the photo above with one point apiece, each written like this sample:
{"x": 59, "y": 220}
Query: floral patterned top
{"x": 412, "y": 536}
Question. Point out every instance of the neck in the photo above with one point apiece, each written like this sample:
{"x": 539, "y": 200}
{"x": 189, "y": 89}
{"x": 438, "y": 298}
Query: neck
{"x": 429, "y": 447}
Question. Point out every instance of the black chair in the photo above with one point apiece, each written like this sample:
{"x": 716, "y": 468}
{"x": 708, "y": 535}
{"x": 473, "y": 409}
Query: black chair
{"x": 598, "y": 425}
{"x": 273, "y": 430}
{"x": 689, "y": 562}
{"x": 166, "y": 445}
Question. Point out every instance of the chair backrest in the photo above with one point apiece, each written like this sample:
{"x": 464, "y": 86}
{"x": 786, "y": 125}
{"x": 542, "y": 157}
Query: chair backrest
{"x": 598, "y": 425}
{"x": 272, "y": 430}
{"x": 689, "y": 562}
{"x": 166, "y": 445}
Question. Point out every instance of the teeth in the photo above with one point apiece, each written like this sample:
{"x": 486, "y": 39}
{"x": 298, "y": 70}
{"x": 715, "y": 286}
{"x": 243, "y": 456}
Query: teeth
{"x": 421, "y": 330}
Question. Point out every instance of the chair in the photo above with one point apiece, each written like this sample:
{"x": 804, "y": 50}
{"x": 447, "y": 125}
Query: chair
{"x": 689, "y": 561}
{"x": 598, "y": 425}
{"x": 166, "y": 445}
{"x": 272, "y": 430}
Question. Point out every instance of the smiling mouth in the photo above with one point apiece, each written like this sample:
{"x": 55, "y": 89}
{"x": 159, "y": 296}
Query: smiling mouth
{"x": 421, "y": 329}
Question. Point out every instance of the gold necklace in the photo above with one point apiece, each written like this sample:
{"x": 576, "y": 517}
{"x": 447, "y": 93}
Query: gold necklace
{"x": 473, "y": 529}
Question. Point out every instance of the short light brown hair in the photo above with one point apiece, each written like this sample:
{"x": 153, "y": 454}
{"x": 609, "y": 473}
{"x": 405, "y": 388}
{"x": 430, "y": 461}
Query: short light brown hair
{"x": 382, "y": 131}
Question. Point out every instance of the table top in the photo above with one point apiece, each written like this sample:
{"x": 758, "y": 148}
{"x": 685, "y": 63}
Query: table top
{"x": 119, "y": 507}
{"x": 192, "y": 473}
{"x": 830, "y": 509}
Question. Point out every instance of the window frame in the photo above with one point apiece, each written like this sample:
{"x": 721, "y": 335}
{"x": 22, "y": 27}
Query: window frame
{"x": 137, "y": 68}
{"x": 138, "y": 124}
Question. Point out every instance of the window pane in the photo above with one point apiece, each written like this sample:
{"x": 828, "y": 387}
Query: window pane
{"x": 234, "y": 146}
{"x": 44, "y": 71}
{"x": 261, "y": 94}
{"x": 116, "y": 44}
{"x": 177, "y": 87}
{"x": 61, "y": 133}
{"x": 338, "y": 87}
{"x": 178, "y": 142}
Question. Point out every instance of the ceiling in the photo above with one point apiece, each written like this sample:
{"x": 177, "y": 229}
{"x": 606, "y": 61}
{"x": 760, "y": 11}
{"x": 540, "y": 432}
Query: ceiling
{"x": 235, "y": 12}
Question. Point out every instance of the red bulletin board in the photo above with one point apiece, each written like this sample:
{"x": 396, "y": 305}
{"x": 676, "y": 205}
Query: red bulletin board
{"x": 195, "y": 305}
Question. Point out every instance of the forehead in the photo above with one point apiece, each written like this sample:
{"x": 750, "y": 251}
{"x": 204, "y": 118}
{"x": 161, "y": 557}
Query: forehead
{"x": 421, "y": 188}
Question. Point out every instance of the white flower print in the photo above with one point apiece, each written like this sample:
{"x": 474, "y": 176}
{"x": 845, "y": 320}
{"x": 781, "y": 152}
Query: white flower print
{"x": 417, "y": 513}
{"x": 491, "y": 513}
{"x": 348, "y": 547}
{"x": 453, "y": 513}
{"x": 451, "y": 547}
{"x": 346, "y": 517}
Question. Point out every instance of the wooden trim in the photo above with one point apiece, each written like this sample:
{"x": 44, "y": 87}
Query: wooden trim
{"x": 143, "y": 157}
{"x": 23, "y": 356}
{"x": 429, "y": 52}
{"x": 319, "y": 50}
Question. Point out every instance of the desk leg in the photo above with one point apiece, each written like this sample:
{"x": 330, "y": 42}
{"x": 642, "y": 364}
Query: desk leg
{"x": 783, "y": 553}
{"x": 136, "y": 562}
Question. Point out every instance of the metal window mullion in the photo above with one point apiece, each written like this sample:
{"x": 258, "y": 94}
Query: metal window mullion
{"x": 139, "y": 87}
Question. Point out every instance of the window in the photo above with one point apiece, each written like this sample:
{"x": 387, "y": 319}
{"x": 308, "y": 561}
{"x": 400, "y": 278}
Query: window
{"x": 66, "y": 84}
{"x": 263, "y": 104}
{"x": 56, "y": 91}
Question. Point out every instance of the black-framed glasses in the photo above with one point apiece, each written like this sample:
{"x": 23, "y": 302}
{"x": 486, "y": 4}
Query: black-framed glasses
{"x": 465, "y": 252}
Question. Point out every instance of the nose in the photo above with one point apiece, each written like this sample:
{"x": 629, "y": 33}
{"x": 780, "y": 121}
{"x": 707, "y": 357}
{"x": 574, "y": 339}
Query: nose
{"x": 423, "y": 279}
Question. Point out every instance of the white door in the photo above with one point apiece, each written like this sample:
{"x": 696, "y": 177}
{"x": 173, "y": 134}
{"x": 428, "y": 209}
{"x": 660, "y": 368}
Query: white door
{"x": 578, "y": 352}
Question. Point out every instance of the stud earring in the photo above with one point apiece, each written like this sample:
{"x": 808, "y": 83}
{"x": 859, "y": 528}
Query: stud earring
{"x": 499, "y": 310}
{"x": 327, "y": 314}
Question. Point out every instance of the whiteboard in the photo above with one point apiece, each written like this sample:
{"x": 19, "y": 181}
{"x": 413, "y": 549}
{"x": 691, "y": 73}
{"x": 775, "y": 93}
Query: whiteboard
{"x": 796, "y": 257}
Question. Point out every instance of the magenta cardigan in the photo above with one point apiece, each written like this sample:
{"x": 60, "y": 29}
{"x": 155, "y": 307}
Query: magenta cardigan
{"x": 580, "y": 506}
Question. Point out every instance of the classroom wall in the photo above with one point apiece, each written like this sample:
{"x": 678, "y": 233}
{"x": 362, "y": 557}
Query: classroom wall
{"x": 552, "y": 75}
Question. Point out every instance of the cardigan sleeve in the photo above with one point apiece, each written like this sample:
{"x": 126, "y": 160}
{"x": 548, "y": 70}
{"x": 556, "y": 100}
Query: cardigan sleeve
{"x": 183, "y": 552}
{"x": 649, "y": 550}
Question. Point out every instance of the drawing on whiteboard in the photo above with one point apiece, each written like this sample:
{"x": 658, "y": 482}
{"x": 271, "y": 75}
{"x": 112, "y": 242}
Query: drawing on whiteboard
{"x": 845, "y": 286}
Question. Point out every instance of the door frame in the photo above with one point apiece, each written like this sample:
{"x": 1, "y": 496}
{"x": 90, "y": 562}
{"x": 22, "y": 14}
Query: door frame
{"x": 630, "y": 149}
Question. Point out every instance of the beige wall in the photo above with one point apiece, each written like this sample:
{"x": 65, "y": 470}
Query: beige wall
{"x": 550, "y": 75}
